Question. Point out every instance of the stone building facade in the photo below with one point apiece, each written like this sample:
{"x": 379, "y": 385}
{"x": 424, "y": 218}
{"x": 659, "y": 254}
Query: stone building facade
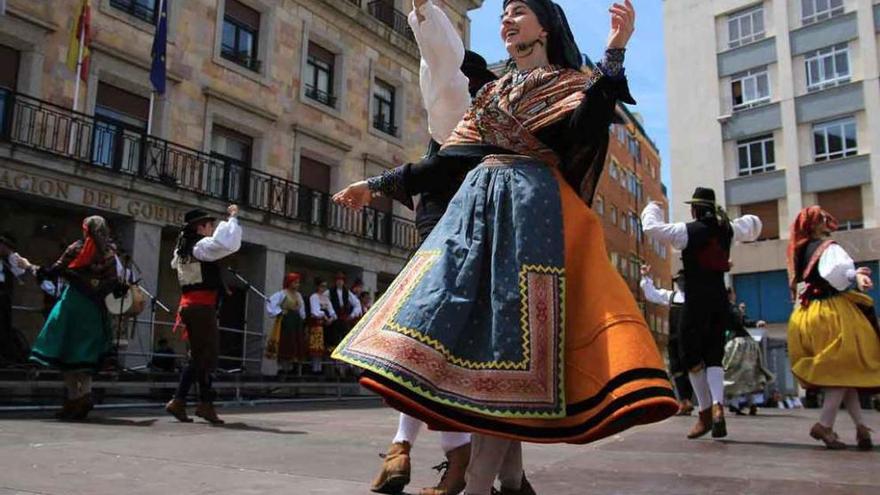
{"x": 271, "y": 104}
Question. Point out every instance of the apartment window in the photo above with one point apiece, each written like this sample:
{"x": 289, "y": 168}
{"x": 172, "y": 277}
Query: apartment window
{"x": 827, "y": 67}
{"x": 144, "y": 10}
{"x": 620, "y": 132}
{"x": 835, "y": 139}
{"x": 614, "y": 170}
{"x": 745, "y": 26}
{"x": 750, "y": 88}
{"x": 229, "y": 175}
{"x": 634, "y": 147}
{"x": 319, "y": 75}
{"x": 8, "y": 81}
{"x": 634, "y": 226}
{"x": 845, "y": 205}
{"x": 615, "y": 259}
{"x": 819, "y": 10}
{"x": 599, "y": 205}
{"x": 120, "y": 121}
{"x": 383, "y": 107}
{"x": 613, "y": 215}
{"x": 624, "y": 178}
{"x": 768, "y": 212}
{"x": 314, "y": 177}
{"x": 756, "y": 155}
{"x": 241, "y": 28}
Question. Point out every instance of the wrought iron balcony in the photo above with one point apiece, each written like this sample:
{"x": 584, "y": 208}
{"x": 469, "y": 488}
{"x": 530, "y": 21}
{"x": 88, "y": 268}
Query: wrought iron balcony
{"x": 385, "y": 126}
{"x": 322, "y": 97}
{"x": 108, "y": 145}
{"x": 384, "y": 11}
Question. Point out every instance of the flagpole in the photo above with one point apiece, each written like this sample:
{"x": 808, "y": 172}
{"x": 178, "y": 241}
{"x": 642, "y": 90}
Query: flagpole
{"x": 79, "y": 57}
{"x": 153, "y": 91}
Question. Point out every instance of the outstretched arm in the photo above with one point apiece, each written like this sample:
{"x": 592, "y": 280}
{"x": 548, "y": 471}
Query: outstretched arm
{"x": 225, "y": 240}
{"x": 656, "y": 228}
{"x": 444, "y": 87}
{"x": 746, "y": 228}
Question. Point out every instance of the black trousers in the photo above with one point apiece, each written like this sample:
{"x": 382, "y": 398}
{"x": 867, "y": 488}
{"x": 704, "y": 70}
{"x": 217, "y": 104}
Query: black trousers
{"x": 704, "y": 315}
{"x": 204, "y": 379}
{"x": 677, "y": 369}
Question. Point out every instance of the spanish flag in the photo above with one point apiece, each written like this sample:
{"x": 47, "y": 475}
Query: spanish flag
{"x": 80, "y": 30}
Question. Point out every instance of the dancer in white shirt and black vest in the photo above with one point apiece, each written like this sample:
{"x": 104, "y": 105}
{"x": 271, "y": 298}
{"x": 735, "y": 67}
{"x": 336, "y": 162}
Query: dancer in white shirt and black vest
{"x": 705, "y": 243}
{"x": 674, "y": 300}
{"x": 199, "y": 247}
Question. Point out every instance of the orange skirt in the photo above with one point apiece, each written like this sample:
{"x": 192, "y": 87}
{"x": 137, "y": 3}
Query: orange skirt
{"x": 609, "y": 372}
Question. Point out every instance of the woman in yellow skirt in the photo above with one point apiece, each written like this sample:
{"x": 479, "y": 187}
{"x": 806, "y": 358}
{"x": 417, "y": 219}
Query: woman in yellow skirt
{"x": 833, "y": 337}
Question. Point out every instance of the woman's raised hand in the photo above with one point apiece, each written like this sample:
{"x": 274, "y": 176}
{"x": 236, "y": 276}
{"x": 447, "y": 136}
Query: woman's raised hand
{"x": 355, "y": 196}
{"x": 623, "y": 23}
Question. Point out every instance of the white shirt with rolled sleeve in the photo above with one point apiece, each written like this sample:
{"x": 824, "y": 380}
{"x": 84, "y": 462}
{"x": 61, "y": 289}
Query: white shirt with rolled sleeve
{"x": 746, "y": 228}
{"x": 444, "y": 87}
{"x": 663, "y": 297}
{"x": 15, "y": 263}
{"x": 226, "y": 240}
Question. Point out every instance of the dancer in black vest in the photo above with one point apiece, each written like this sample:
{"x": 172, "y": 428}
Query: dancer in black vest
{"x": 347, "y": 308}
{"x": 674, "y": 299}
{"x": 705, "y": 243}
{"x": 12, "y": 266}
{"x": 199, "y": 247}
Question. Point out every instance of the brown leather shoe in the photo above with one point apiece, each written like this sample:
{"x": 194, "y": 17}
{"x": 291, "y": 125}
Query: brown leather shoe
{"x": 453, "y": 469}
{"x": 685, "y": 408}
{"x": 719, "y": 426}
{"x": 525, "y": 488}
{"x": 177, "y": 408}
{"x": 863, "y": 438}
{"x": 82, "y": 407}
{"x": 394, "y": 474}
{"x": 826, "y": 436}
{"x": 704, "y": 424}
{"x": 67, "y": 409}
{"x": 205, "y": 410}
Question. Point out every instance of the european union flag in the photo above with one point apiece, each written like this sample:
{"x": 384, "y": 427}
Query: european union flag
{"x": 157, "y": 71}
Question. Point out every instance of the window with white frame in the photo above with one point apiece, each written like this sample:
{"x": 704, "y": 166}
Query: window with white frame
{"x": 835, "y": 139}
{"x": 827, "y": 67}
{"x": 745, "y": 26}
{"x": 750, "y": 88}
{"x": 599, "y": 206}
{"x": 614, "y": 170}
{"x": 819, "y": 10}
{"x": 756, "y": 155}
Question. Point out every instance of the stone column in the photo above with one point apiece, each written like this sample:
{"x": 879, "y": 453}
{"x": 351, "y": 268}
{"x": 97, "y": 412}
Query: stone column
{"x": 270, "y": 266}
{"x": 143, "y": 242}
{"x": 370, "y": 280}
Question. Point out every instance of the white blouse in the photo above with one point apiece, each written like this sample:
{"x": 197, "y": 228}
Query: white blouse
{"x": 273, "y": 304}
{"x": 837, "y": 267}
{"x": 444, "y": 87}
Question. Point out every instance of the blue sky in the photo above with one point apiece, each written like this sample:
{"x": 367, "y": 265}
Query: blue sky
{"x": 590, "y": 21}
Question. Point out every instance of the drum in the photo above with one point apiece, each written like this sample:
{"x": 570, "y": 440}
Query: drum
{"x": 131, "y": 304}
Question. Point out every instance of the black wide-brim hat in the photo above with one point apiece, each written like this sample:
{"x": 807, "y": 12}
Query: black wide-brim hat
{"x": 197, "y": 216}
{"x": 702, "y": 196}
{"x": 8, "y": 240}
{"x": 474, "y": 67}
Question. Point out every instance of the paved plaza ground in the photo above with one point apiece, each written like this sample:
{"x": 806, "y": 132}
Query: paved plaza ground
{"x": 332, "y": 448}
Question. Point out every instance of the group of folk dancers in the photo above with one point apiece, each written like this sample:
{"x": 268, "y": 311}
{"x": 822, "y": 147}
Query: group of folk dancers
{"x": 509, "y": 323}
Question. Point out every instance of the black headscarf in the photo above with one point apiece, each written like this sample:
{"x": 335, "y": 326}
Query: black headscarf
{"x": 561, "y": 47}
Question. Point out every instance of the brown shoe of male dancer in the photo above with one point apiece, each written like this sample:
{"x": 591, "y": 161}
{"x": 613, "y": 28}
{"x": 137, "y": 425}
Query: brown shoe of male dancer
{"x": 452, "y": 481}
{"x": 395, "y": 471}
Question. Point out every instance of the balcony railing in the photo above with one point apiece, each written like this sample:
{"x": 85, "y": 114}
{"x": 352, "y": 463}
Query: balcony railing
{"x": 385, "y": 126}
{"x": 40, "y": 125}
{"x": 322, "y": 97}
{"x": 384, "y": 11}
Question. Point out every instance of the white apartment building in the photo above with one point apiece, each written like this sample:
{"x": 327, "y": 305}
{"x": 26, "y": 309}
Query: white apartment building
{"x": 776, "y": 105}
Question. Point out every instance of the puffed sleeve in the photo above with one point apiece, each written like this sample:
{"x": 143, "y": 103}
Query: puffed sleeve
{"x": 746, "y": 228}
{"x": 225, "y": 241}
{"x": 655, "y": 228}
{"x": 273, "y": 304}
{"x": 837, "y": 267}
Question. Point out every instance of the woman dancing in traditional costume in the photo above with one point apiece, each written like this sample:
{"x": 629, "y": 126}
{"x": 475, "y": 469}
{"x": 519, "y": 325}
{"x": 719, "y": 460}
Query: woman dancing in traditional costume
{"x": 833, "y": 337}
{"x": 288, "y": 342}
{"x": 76, "y": 336}
{"x": 509, "y": 321}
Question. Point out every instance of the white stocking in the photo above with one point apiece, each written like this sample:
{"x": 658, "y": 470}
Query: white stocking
{"x": 715, "y": 377}
{"x": 701, "y": 388}
{"x": 853, "y": 406}
{"x": 451, "y": 440}
{"x": 407, "y": 429}
{"x": 833, "y": 398}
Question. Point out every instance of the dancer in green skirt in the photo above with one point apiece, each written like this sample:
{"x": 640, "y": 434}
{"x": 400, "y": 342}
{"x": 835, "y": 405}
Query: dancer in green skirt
{"x": 76, "y": 336}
